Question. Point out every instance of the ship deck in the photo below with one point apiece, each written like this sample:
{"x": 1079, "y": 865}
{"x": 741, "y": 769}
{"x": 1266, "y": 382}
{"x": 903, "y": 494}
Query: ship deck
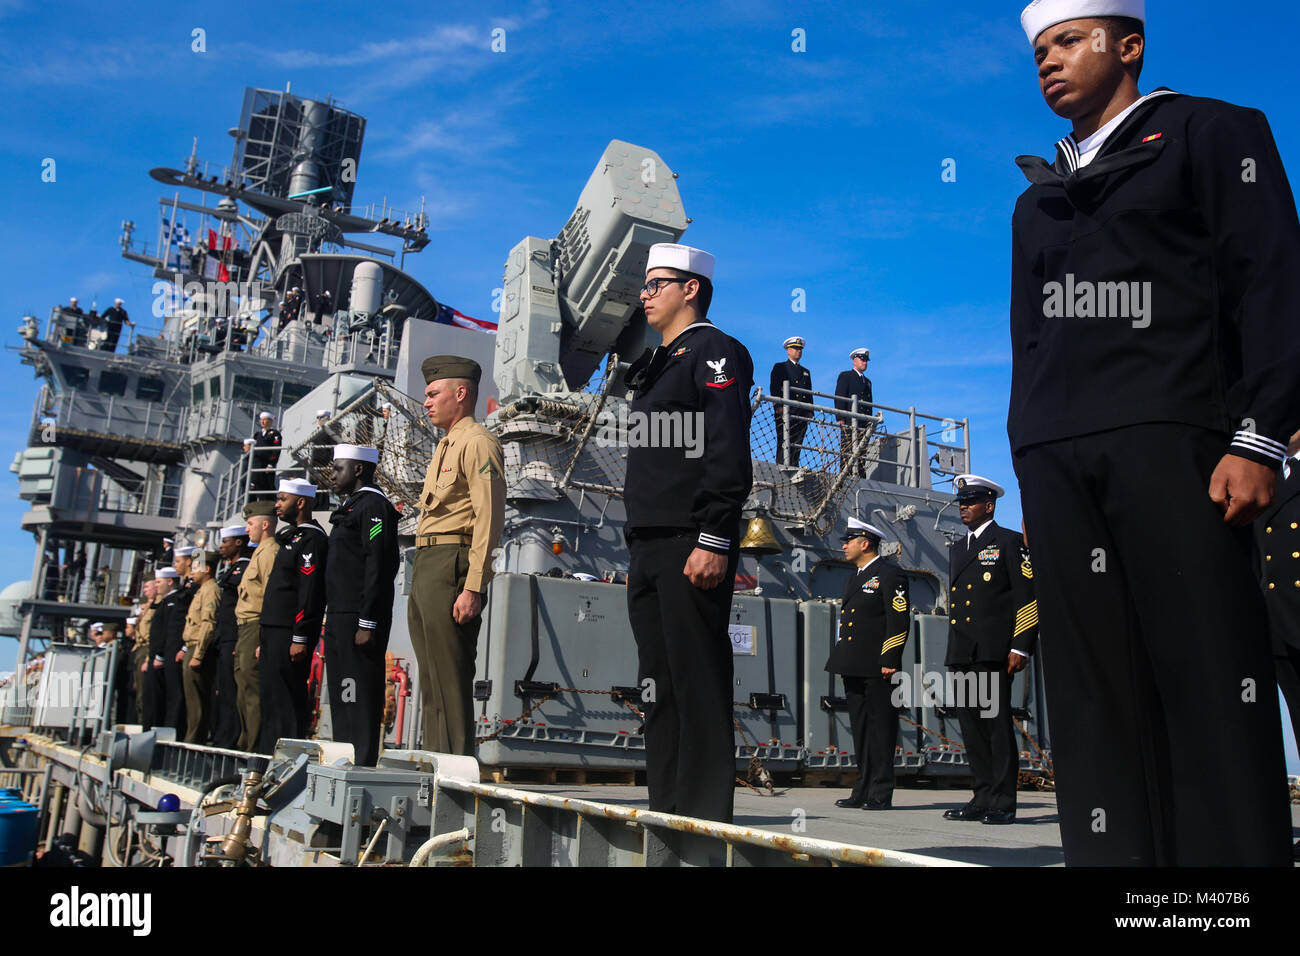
{"x": 914, "y": 825}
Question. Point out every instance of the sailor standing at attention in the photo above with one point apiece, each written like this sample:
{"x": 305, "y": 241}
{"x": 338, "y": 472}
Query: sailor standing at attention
{"x": 800, "y": 380}
{"x": 683, "y": 533}
{"x": 359, "y": 592}
{"x": 853, "y": 384}
{"x": 462, "y": 512}
{"x": 868, "y": 651}
{"x": 292, "y": 610}
{"x": 260, "y": 525}
{"x": 992, "y": 629}
{"x": 1155, "y": 342}
{"x": 199, "y": 638}
{"x": 234, "y": 561}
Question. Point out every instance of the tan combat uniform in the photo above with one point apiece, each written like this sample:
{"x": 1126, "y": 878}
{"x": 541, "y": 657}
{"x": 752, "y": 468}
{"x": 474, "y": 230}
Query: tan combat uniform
{"x": 248, "y": 610}
{"x": 462, "y": 511}
{"x": 200, "y": 634}
{"x": 143, "y": 699}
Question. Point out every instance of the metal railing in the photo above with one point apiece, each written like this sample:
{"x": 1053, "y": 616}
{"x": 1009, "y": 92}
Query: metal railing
{"x": 110, "y": 416}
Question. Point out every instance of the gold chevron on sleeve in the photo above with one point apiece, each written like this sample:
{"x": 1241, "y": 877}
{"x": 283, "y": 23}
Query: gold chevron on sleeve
{"x": 1027, "y": 569}
{"x": 1026, "y": 618}
{"x": 900, "y": 603}
{"x": 898, "y": 640}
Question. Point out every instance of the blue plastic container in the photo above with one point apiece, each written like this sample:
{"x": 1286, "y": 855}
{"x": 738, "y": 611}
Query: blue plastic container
{"x": 18, "y": 822}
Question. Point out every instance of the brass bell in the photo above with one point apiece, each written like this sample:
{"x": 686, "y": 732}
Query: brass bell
{"x": 759, "y": 538}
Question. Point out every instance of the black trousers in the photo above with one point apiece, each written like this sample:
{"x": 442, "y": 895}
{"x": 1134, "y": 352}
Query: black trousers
{"x": 797, "y": 428}
{"x": 683, "y": 648}
{"x": 874, "y": 722}
{"x": 356, "y": 684}
{"x": 286, "y": 707}
{"x": 173, "y": 707}
{"x": 225, "y": 707}
{"x": 1165, "y": 730}
{"x": 989, "y": 735}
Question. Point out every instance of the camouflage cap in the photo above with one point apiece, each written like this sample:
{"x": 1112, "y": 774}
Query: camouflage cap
{"x": 437, "y": 367}
{"x": 265, "y": 508}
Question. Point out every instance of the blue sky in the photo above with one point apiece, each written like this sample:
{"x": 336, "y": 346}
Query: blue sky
{"x": 818, "y": 170}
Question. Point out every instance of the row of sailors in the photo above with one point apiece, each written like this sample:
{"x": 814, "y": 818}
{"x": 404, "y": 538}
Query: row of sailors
{"x": 247, "y": 618}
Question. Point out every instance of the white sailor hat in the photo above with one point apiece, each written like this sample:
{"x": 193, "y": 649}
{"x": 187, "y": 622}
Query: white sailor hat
{"x": 386, "y": 405}
{"x": 1041, "y": 14}
{"x": 356, "y": 453}
{"x": 794, "y": 341}
{"x": 132, "y": 620}
{"x": 975, "y": 487}
{"x": 168, "y": 540}
{"x": 97, "y": 626}
{"x": 265, "y": 415}
{"x": 234, "y": 531}
{"x": 858, "y": 528}
{"x": 673, "y": 255}
{"x": 297, "y": 486}
{"x": 584, "y": 576}
{"x": 322, "y": 413}
{"x": 864, "y": 353}
{"x": 185, "y": 551}
{"x": 166, "y": 573}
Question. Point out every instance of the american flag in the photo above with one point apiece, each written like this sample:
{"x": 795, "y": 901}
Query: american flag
{"x": 449, "y": 316}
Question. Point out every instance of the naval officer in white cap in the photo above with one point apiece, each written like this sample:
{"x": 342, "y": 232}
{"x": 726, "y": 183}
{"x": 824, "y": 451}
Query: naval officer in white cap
{"x": 868, "y": 651}
{"x": 992, "y": 630}
{"x": 800, "y": 381}
{"x": 359, "y": 592}
{"x": 683, "y": 532}
{"x": 293, "y": 609}
{"x": 1148, "y": 430}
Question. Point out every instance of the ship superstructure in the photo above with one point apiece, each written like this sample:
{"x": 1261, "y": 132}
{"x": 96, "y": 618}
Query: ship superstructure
{"x": 275, "y": 304}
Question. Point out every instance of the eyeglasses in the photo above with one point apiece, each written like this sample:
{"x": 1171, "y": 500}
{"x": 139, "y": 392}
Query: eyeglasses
{"x": 652, "y": 286}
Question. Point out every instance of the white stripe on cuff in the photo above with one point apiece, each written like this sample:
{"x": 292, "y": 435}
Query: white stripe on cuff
{"x": 367, "y": 625}
{"x": 299, "y": 640}
{"x": 713, "y": 541}
{"x": 1253, "y": 441}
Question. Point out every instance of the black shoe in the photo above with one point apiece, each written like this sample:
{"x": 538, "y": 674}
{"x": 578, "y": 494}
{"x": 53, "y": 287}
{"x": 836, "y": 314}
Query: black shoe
{"x": 999, "y": 816}
{"x": 968, "y": 812}
{"x": 875, "y": 805}
{"x": 848, "y": 803}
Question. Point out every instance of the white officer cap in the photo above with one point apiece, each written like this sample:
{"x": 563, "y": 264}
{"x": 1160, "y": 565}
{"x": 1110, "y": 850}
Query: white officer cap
{"x": 117, "y": 301}
{"x": 793, "y": 340}
{"x": 97, "y": 626}
{"x": 322, "y": 413}
{"x": 166, "y": 573}
{"x": 1041, "y": 14}
{"x": 584, "y": 576}
{"x": 132, "y": 620}
{"x": 973, "y": 487}
{"x": 265, "y": 415}
{"x": 673, "y": 255}
{"x": 298, "y": 486}
{"x": 860, "y": 353}
{"x": 185, "y": 551}
{"x": 234, "y": 531}
{"x": 168, "y": 540}
{"x": 386, "y": 405}
{"x": 857, "y": 528}
{"x": 356, "y": 453}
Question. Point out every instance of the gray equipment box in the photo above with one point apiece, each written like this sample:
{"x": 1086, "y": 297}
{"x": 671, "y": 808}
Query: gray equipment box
{"x": 74, "y": 690}
{"x": 358, "y": 799}
{"x": 556, "y": 681}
